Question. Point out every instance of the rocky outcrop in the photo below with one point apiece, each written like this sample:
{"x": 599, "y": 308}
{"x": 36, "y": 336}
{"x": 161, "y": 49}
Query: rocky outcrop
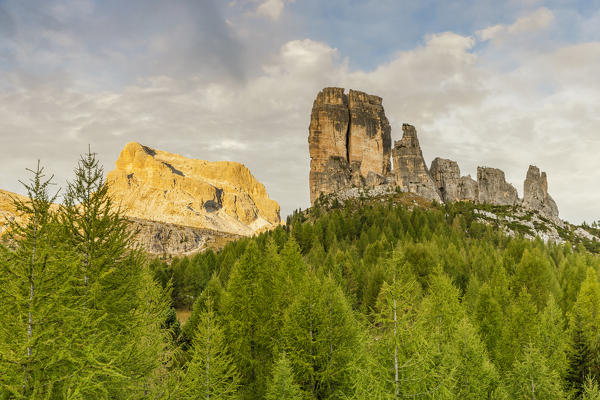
{"x": 535, "y": 193}
{"x": 446, "y": 175}
{"x": 369, "y": 135}
{"x": 327, "y": 140}
{"x": 410, "y": 171}
{"x": 349, "y": 141}
{"x": 468, "y": 189}
{"x": 8, "y": 211}
{"x": 160, "y": 238}
{"x": 163, "y": 187}
{"x": 494, "y": 189}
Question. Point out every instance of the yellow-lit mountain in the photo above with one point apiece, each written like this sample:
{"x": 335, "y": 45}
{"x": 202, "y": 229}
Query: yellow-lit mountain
{"x": 162, "y": 187}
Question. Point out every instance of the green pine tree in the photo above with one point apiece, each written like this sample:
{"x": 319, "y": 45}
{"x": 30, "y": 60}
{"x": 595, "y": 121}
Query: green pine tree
{"x": 122, "y": 340}
{"x": 584, "y": 332}
{"x": 211, "y": 373}
{"x": 282, "y": 385}
{"x": 37, "y": 302}
{"x": 321, "y": 339}
{"x": 531, "y": 378}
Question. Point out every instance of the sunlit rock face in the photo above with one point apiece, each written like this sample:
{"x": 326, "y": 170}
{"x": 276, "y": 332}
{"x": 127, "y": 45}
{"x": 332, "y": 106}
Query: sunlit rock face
{"x": 349, "y": 141}
{"x": 158, "y": 186}
{"x": 8, "y": 211}
{"x": 369, "y": 137}
{"x": 535, "y": 193}
{"x": 410, "y": 170}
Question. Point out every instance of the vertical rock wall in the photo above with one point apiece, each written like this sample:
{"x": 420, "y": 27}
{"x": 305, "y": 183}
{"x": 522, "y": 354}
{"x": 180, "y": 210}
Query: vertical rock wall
{"x": 409, "y": 166}
{"x": 494, "y": 189}
{"x": 535, "y": 193}
{"x": 349, "y": 141}
{"x": 327, "y": 143}
{"x": 350, "y": 145}
{"x": 369, "y": 137}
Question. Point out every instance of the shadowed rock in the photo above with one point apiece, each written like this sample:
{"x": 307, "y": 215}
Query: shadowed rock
{"x": 535, "y": 193}
{"x": 494, "y": 189}
{"x": 410, "y": 171}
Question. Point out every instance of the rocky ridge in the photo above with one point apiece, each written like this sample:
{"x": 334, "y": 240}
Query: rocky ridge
{"x": 176, "y": 205}
{"x": 337, "y": 167}
{"x": 163, "y": 187}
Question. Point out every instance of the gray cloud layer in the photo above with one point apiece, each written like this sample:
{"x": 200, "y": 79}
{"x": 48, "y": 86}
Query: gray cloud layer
{"x": 184, "y": 79}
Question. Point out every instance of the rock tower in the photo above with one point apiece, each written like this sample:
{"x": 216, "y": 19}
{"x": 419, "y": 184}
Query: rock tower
{"x": 350, "y": 146}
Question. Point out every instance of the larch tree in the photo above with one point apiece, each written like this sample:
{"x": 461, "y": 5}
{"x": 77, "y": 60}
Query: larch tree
{"x": 282, "y": 385}
{"x": 37, "y": 303}
{"x": 124, "y": 344}
{"x": 211, "y": 373}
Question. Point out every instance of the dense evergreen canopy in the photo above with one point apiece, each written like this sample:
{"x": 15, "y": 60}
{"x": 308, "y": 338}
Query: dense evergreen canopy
{"x": 371, "y": 299}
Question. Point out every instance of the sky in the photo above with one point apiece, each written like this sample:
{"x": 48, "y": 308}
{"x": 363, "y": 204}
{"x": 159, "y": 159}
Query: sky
{"x": 492, "y": 83}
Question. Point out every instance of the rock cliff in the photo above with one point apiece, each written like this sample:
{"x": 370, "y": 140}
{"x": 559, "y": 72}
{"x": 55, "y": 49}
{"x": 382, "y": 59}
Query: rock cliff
{"x": 494, "y": 189}
{"x": 535, "y": 193}
{"x": 163, "y": 187}
{"x": 349, "y": 143}
{"x": 410, "y": 169}
{"x": 369, "y": 135}
{"x": 8, "y": 212}
{"x": 446, "y": 175}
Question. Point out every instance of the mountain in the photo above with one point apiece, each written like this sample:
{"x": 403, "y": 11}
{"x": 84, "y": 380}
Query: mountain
{"x": 350, "y": 147}
{"x": 8, "y": 211}
{"x": 177, "y": 205}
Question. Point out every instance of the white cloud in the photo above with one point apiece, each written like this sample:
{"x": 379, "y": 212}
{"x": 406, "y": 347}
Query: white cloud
{"x": 543, "y": 111}
{"x": 271, "y": 8}
{"x": 538, "y": 20}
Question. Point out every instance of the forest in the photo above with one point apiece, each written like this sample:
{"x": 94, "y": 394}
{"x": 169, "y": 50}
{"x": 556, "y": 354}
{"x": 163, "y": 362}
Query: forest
{"x": 360, "y": 300}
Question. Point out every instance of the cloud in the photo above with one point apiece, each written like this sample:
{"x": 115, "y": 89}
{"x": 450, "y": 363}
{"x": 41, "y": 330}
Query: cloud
{"x": 538, "y": 20}
{"x": 271, "y": 8}
{"x": 465, "y": 106}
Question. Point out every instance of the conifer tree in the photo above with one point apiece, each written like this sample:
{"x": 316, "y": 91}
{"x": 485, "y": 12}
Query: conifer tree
{"x": 36, "y": 300}
{"x": 282, "y": 385}
{"x": 246, "y": 309}
{"x": 531, "y": 378}
{"x": 321, "y": 339}
{"x": 584, "y": 332}
{"x": 591, "y": 391}
{"x": 211, "y": 373}
{"x": 123, "y": 341}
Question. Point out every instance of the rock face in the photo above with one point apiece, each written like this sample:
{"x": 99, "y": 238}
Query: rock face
{"x": 468, "y": 189}
{"x": 535, "y": 193}
{"x": 494, "y": 189}
{"x": 349, "y": 141}
{"x": 409, "y": 166}
{"x": 446, "y": 175}
{"x": 350, "y": 145}
{"x": 369, "y": 136}
{"x": 221, "y": 196}
{"x": 161, "y": 238}
{"x": 8, "y": 212}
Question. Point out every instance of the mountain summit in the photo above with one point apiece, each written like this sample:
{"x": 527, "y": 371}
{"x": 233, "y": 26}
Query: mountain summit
{"x": 159, "y": 186}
